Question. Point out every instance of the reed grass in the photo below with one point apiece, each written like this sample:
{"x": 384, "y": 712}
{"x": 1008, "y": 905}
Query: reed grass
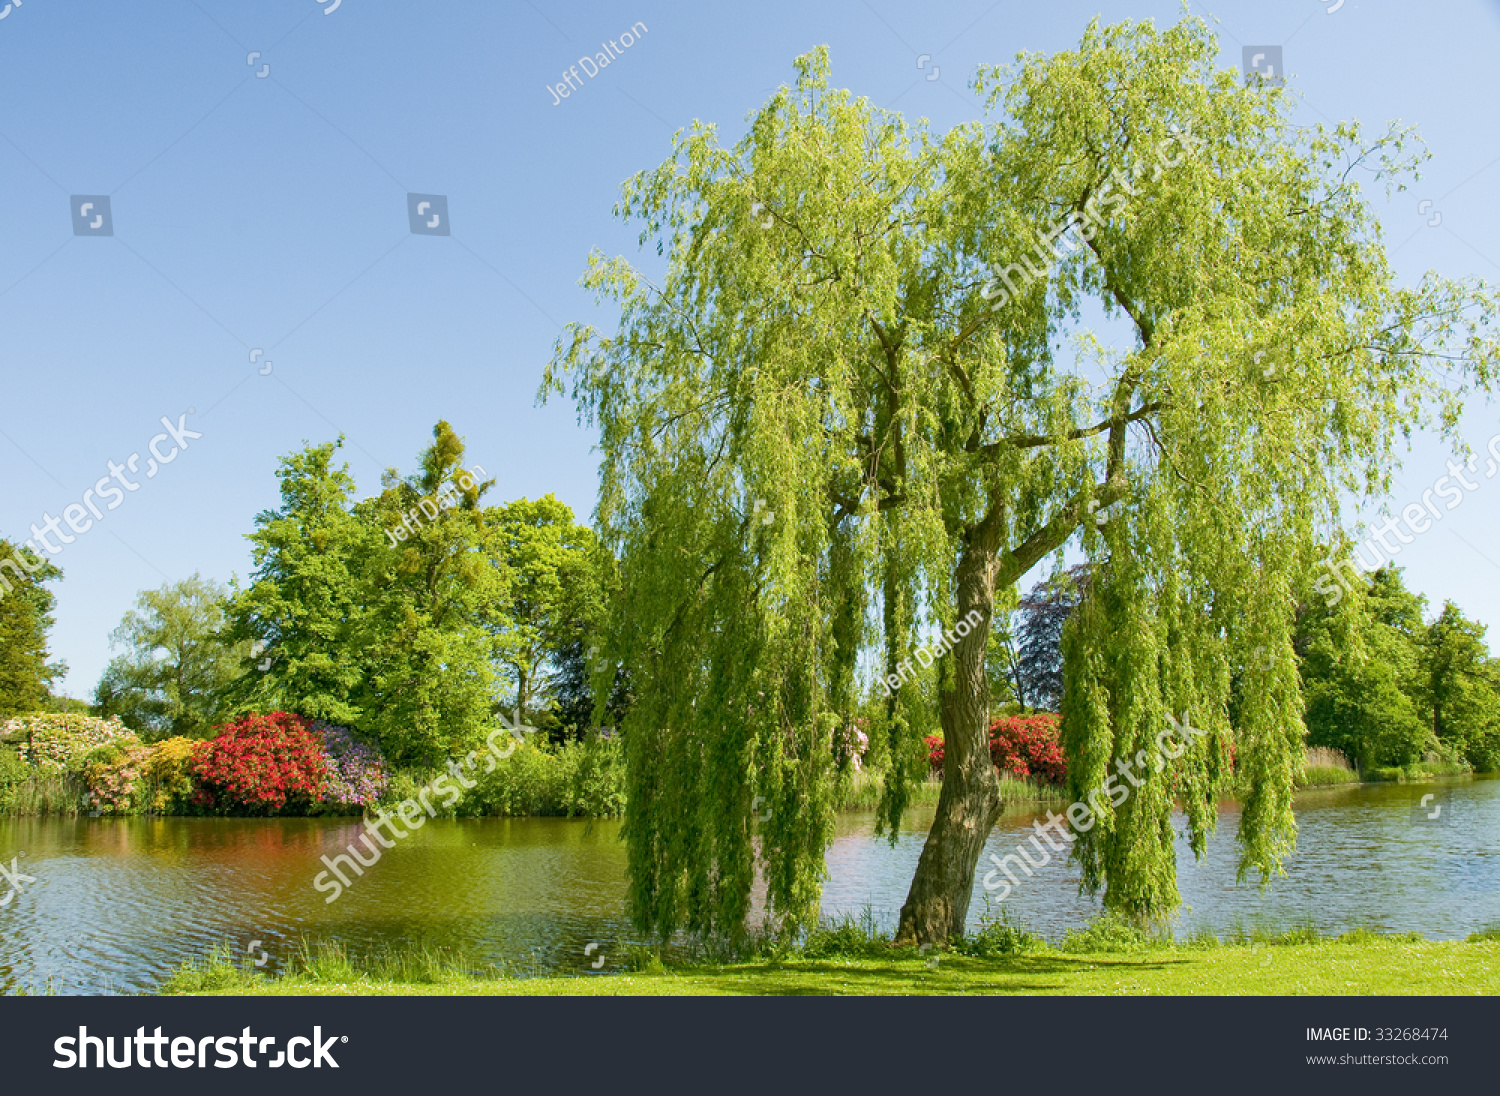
{"x": 1326, "y": 767}
{"x": 41, "y": 793}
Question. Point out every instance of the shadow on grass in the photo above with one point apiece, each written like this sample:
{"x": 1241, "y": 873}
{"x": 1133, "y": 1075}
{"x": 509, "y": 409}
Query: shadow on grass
{"x": 1019, "y": 975}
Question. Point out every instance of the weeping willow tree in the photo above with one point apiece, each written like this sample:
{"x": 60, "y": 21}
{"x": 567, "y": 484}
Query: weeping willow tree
{"x": 860, "y": 400}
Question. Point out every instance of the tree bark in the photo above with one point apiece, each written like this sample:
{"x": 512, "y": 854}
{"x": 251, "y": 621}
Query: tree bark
{"x": 937, "y": 905}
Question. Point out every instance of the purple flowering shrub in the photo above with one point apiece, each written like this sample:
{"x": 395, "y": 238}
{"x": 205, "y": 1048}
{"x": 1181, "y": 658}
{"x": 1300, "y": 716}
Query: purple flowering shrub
{"x": 357, "y": 773}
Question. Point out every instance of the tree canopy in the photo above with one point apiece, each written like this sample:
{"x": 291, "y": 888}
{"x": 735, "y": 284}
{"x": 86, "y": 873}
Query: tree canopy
{"x": 364, "y": 629}
{"x": 843, "y": 416}
{"x": 556, "y": 596}
{"x": 25, "y": 619}
{"x": 418, "y": 615}
{"x": 177, "y": 670}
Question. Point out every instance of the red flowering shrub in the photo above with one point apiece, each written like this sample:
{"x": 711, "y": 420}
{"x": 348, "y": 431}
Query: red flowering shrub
{"x": 1028, "y": 745}
{"x": 260, "y": 764}
{"x": 1022, "y": 745}
{"x": 935, "y": 751}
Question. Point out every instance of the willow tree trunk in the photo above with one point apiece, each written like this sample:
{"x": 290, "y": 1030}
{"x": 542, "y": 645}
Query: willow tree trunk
{"x": 969, "y": 805}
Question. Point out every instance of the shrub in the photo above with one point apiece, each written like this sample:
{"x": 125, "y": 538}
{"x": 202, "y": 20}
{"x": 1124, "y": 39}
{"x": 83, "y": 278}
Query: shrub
{"x": 935, "y": 751}
{"x": 261, "y": 764}
{"x": 59, "y": 743}
{"x": 850, "y": 744}
{"x": 14, "y": 775}
{"x": 597, "y": 787}
{"x": 1107, "y": 933}
{"x": 540, "y": 778}
{"x": 168, "y": 774}
{"x": 1029, "y": 745}
{"x": 997, "y": 937}
{"x": 356, "y": 772}
{"x": 847, "y": 938}
{"x": 112, "y": 776}
{"x": 1023, "y": 746}
{"x": 531, "y": 781}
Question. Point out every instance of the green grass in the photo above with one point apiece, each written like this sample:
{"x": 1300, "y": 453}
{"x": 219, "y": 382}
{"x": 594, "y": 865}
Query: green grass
{"x": 1418, "y": 772}
{"x": 1323, "y": 776}
{"x": 863, "y": 791}
{"x": 1438, "y": 768}
{"x": 224, "y": 970}
{"x": 1106, "y": 958}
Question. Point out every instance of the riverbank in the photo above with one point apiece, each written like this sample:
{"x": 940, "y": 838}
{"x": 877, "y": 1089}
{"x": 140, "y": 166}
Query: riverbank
{"x": 1357, "y": 964}
{"x": 71, "y": 765}
{"x": 540, "y": 784}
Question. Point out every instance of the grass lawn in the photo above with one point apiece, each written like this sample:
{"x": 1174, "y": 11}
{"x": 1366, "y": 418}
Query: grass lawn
{"x": 1367, "y": 965}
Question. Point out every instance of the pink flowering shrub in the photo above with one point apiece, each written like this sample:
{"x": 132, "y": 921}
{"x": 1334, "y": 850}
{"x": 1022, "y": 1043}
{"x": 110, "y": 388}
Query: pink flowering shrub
{"x": 113, "y": 775}
{"x": 58, "y": 743}
{"x": 850, "y": 744}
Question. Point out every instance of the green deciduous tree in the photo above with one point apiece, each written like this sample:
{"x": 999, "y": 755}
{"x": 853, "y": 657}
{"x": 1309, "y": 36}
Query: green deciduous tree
{"x": 176, "y": 675}
{"x": 1360, "y": 662}
{"x": 25, "y": 618}
{"x": 378, "y": 614}
{"x": 827, "y": 427}
{"x": 305, "y": 607}
{"x": 556, "y": 594}
{"x": 1459, "y": 691}
{"x": 431, "y": 605}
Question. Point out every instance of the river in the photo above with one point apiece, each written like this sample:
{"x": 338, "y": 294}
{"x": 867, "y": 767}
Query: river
{"x": 114, "y": 905}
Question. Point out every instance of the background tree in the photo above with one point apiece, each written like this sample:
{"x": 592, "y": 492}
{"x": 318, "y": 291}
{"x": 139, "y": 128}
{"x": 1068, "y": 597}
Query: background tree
{"x": 305, "y": 607}
{"x": 826, "y": 412}
{"x": 25, "y": 619}
{"x": 1360, "y": 666}
{"x": 379, "y": 614}
{"x": 588, "y": 692}
{"x": 575, "y": 695}
{"x": 1003, "y": 668}
{"x": 555, "y": 596}
{"x": 1042, "y": 613}
{"x": 432, "y": 602}
{"x": 176, "y": 674}
{"x": 1460, "y": 689}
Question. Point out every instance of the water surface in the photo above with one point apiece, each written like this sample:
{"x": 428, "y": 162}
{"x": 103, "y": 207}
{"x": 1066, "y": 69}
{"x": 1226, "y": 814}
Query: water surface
{"x": 117, "y": 904}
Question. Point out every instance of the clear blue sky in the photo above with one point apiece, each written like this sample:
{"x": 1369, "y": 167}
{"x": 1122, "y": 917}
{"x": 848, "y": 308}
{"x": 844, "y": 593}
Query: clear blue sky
{"x": 270, "y": 212}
